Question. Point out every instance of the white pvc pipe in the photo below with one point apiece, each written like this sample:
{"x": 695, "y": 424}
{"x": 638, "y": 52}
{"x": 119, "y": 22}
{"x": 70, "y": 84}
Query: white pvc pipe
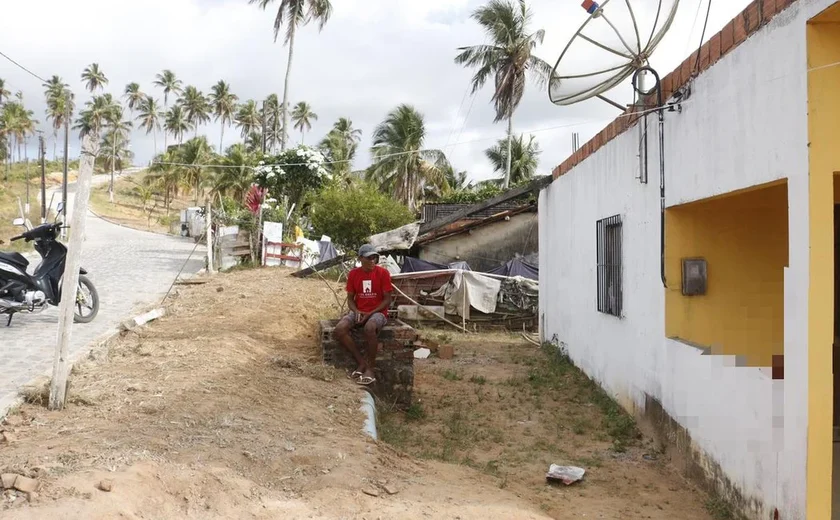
{"x": 369, "y": 408}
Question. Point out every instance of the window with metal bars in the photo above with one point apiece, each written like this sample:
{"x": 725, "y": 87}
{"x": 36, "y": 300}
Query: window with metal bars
{"x": 610, "y": 294}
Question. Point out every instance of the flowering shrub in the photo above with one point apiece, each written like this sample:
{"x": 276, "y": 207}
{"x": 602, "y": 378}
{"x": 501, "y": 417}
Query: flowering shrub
{"x": 292, "y": 173}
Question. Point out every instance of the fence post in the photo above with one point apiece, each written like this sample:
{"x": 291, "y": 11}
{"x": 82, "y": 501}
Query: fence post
{"x": 209, "y": 234}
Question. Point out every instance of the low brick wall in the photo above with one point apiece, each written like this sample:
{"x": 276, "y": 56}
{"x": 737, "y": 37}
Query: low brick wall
{"x": 394, "y": 359}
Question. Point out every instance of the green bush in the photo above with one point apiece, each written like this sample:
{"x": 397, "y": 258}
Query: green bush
{"x": 350, "y": 215}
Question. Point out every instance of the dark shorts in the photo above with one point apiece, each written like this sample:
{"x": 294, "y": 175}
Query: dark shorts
{"x": 378, "y": 319}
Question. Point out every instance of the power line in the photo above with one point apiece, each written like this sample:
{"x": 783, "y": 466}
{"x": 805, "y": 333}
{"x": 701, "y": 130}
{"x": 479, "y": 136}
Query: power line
{"x": 23, "y": 68}
{"x": 702, "y": 37}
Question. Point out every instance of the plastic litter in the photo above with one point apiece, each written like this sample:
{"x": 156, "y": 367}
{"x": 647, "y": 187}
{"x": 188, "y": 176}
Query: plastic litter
{"x": 422, "y": 353}
{"x": 566, "y": 474}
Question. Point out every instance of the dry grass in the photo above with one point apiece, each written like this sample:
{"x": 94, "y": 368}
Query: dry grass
{"x": 128, "y": 208}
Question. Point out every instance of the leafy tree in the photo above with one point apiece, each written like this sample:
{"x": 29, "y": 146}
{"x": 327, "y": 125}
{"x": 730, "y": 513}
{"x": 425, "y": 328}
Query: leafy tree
{"x": 294, "y": 13}
{"x": 170, "y": 85}
{"x": 401, "y": 164}
{"x": 223, "y": 104}
{"x": 150, "y": 117}
{"x": 119, "y": 130}
{"x": 192, "y": 157}
{"x": 196, "y": 107}
{"x": 248, "y": 118}
{"x": 176, "y": 123}
{"x": 524, "y": 159}
{"x": 350, "y": 215}
{"x": 133, "y": 97}
{"x": 507, "y": 58}
{"x": 303, "y": 116}
{"x": 293, "y": 173}
{"x": 94, "y": 78}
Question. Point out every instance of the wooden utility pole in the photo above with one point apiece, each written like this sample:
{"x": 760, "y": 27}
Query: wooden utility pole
{"x": 209, "y": 234}
{"x": 66, "y": 155}
{"x": 70, "y": 280}
{"x": 263, "y": 128}
{"x": 43, "y": 151}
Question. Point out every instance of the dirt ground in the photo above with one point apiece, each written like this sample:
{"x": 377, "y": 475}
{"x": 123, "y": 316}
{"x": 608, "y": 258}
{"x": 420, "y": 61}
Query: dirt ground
{"x": 128, "y": 209}
{"x": 222, "y": 410}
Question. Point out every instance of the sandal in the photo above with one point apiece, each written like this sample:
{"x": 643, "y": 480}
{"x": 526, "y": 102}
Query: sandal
{"x": 355, "y": 374}
{"x": 366, "y": 380}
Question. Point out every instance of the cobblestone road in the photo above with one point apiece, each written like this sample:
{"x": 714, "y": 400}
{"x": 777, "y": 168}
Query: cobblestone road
{"x": 130, "y": 269}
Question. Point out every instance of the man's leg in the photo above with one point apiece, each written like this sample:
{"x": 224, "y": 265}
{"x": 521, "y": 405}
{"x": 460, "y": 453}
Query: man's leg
{"x": 342, "y": 334}
{"x": 372, "y": 328}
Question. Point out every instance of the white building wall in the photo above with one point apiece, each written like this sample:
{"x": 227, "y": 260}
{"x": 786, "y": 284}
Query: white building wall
{"x": 745, "y": 125}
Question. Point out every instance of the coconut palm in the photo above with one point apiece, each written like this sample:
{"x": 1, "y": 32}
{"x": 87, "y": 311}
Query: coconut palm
{"x": 524, "y": 159}
{"x": 4, "y": 94}
{"x": 234, "y": 175}
{"x": 150, "y": 117}
{"x": 93, "y": 117}
{"x": 455, "y": 180}
{"x": 294, "y": 13}
{"x": 133, "y": 97}
{"x": 401, "y": 165}
{"x": 176, "y": 123}
{"x": 507, "y": 58}
{"x": 273, "y": 113}
{"x": 164, "y": 174}
{"x": 94, "y": 78}
{"x": 303, "y": 116}
{"x": 223, "y": 104}
{"x": 119, "y": 130}
{"x": 248, "y": 118}
{"x": 191, "y": 157}
{"x": 115, "y": 149}
{"x": 196, "y": 107}
{"x": 59, "y": 106}
{"x": 170, "y": 84}
{"x": 340, "y": 145}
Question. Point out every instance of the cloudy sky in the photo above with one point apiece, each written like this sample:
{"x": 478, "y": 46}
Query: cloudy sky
{"x": 372, "y": 56}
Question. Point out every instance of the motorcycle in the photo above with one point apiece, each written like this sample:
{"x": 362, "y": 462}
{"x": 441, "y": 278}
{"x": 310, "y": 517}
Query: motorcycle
{"x": 24, "y": 293}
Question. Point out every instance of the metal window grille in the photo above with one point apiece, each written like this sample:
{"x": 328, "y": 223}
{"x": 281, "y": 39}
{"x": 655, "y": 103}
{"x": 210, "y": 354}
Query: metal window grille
{"x": 610, "y": 294}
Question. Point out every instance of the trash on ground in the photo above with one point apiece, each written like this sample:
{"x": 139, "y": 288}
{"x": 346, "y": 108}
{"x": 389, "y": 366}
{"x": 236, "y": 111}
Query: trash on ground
{"x": 566, "y": 474}
{"x": 422, "y": 353}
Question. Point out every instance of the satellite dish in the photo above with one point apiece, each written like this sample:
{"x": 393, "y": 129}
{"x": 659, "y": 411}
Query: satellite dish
{"x": 614, "y": 43}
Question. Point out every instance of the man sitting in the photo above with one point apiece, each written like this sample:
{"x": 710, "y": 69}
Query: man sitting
{"x": 368, "y": 297}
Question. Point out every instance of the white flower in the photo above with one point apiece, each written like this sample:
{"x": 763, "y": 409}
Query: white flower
{"x": 300, "y": 152}
{"x": 271, "y": 200}
{"x": 261, "y": 163}
{"x": 269, "y": 175}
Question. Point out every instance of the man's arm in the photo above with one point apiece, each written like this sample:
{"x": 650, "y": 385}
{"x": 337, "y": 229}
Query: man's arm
{"x": 351, "y": 302}
{"x": 384, "y": 304}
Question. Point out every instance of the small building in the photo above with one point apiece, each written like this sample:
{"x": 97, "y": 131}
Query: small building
{"x": 711, "y": 313}
{"x": 486, "y": 239}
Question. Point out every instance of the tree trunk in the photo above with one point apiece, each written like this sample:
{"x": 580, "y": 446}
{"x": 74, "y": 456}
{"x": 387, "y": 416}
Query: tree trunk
{"x": 113, "y": 166}
{"x": 154, "y": 137}
{"x": 165, "y": 132}
{"x": 509, "y": 149}
{"x": 55, "y": 144}
{"x": 222, "y": 139}
{"x": 286, "y": 86}
{"x": 26, "y": 156}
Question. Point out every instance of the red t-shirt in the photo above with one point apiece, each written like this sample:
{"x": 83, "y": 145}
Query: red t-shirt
{"x": 369, "y": 287}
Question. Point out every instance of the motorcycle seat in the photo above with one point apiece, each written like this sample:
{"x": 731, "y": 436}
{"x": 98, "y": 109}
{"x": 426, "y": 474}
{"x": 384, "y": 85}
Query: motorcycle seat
{"x": 15, "y": 259}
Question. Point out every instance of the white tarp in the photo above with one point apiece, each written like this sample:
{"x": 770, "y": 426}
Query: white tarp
{"x": 396, "y": 239}
{"x": 473, "y": 289}
{"x": 272, "y": 232}
{"x": 390, "y": 264}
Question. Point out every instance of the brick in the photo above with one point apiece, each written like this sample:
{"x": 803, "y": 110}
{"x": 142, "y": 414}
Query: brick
{"x": 740, "y": 29}
{"x": 26, "y": 484}
{"x": 726, "y": 38}
{"x": 705, "y": 61}
{"x": 768, "y": 10}
{"x": 714, "y": 49}
{"x": 8, "y": 480}
{"x": 752, "y": 21}
{"x": 446, "y": 352}
{"x": 686, "y": 71}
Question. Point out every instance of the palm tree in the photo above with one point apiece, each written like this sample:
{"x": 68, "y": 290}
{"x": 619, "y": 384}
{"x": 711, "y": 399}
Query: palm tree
{"x": 455, "y": 180}
{"x": 191, "y": 157}
{"x": 507, "y": 58}
{"x": 163, "y": 173}
{"x": 94, "y": 78}
{"x": 170, "y": 84}
{"x": 248, "y": 118}
{"x": 133, "y": 97}
{"x": 303, "y": 116}
{"x": 196, "y": 107}
{"x": 149, "y": 117}
{"x": 119, "y": 131}
{"x": 59, "y": 106}
{"x": 524, "y": 159}
{"x": 340, "y": 145}
{"x": 92, "y": 117}
{"x": 401, "y": 165}
{"x": 273, "y": 112}
{"x": 235, "y": 176}
{"x": 115, "y": 149}
{"x": 223, "y": 103}
{"x": 294, "y": 13}
{"x": 4, "y": 94}
{"x": 176, "y": 123}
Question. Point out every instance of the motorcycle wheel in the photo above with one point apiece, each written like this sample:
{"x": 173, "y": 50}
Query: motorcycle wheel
{"x": 87, "y": 301}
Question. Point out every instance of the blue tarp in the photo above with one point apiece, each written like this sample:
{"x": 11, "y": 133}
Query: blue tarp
{"x": 517, "y": 267}
{"x": 415, "y": 265}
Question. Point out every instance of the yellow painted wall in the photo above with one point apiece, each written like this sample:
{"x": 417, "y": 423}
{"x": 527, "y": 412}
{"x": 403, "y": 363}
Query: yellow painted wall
{"x": 744, "y": 239}
{"x": 824, "y": 156}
